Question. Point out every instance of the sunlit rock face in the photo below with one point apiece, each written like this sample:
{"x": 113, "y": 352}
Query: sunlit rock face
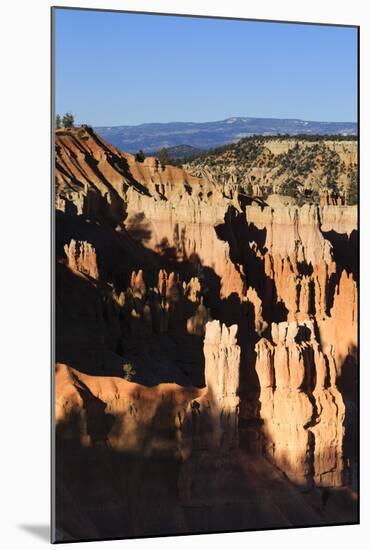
{"x": 307, "y": 267}
{"x": 210, "y": 423}
{"x": 195, "y": 324}
{"x": 99, "y": 411}
{"x": 301, "y": 407}
{"x": 81, "y": 257}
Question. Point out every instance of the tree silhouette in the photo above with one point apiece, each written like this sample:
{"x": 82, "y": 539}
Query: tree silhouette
{"x": 352, "y": 195}
{"x": 68, "y": 120}
{"x": 163, "y": 156}
{"x": 140, "y": 156}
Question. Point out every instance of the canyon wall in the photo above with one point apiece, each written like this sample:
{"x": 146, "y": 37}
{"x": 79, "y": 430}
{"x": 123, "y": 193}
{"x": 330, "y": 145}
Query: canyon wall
{"x": 177, "y": 298}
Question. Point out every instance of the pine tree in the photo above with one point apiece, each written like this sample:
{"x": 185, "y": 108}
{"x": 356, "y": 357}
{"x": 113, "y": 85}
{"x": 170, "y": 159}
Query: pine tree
{"x": 163, "y": 156}
{"x": 68, "y": 120}
{"x": 352, "y": 195}
{"x": 58, "y": 121}
{"x": 249, "y": 189}
{"x": 140, "y": 156}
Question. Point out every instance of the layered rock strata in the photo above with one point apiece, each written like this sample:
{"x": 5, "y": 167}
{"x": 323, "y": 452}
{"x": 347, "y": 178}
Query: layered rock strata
{"x": 179, "y": 279}
{"x": 300, "y": 405}
{"x": 210, "y": 423}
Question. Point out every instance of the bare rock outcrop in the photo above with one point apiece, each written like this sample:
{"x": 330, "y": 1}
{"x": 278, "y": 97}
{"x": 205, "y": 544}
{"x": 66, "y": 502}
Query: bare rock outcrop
{"x": 81, "y": 257}
{"x": 169, "y": 210}
{"x": 300, "y": 261}
{"x": 343, "y": 313}
{"x": 116, "y": 413}
{"x": 211, "y": 421}
{"x": 250, "y": 309}
{"x": 300, "y": 405}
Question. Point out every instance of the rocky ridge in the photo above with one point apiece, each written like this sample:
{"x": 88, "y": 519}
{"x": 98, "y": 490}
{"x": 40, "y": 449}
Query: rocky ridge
{"x": 299, "y": 165}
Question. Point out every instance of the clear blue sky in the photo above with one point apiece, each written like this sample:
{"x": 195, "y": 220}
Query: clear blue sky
{"x": 118, "y": 68}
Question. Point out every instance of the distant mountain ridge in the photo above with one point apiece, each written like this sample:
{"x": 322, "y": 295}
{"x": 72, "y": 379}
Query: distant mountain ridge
{"x": 204, "y": 135}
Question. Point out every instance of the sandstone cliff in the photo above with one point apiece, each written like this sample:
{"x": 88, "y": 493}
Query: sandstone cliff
{"x": 192, "y": 321}
{"x": 301, "y": 407}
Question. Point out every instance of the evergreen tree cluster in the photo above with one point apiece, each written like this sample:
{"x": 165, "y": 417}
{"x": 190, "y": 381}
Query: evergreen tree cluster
{"x": 67, "y": 121}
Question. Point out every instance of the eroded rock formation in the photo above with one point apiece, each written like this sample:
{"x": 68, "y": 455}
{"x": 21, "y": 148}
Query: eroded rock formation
{"x": 81, "y": 257}
{"x": 301, "y": 407}
{"x": 198, "y": 323}
{"x": 211, "y": 421}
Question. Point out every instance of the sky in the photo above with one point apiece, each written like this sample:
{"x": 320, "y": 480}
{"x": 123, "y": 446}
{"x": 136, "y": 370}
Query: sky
{"x": 115, "y": 68}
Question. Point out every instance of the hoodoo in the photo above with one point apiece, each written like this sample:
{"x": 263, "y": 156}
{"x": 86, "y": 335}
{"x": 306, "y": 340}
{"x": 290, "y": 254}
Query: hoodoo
{"x": 202, "y": 329}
